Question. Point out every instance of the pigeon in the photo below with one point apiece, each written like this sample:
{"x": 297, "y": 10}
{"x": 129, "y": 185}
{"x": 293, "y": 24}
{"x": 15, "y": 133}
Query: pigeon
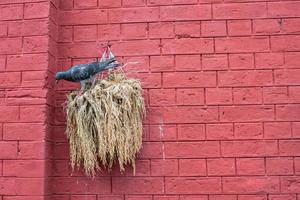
{"x": 84, "y": 73}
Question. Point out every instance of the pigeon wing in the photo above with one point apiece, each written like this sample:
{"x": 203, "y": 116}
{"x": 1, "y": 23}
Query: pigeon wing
{"x": 80, "y": 73}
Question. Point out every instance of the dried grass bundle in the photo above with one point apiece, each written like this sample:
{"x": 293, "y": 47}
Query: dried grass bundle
{"x": 104, "y": 124}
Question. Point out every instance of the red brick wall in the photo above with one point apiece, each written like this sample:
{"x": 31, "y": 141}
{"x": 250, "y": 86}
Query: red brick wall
{"x": 222, "y": 86}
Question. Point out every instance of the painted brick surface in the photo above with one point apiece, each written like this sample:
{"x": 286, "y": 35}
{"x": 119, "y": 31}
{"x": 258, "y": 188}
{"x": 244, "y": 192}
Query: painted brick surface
{"x": 222, "y": 88}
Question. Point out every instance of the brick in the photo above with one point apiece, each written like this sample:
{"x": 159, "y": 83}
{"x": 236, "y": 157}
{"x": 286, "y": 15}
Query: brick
{"x": 192, "y": 149}
{"x": 83, "y": 197}
{"x": 297, "y": 165}
{"x": 187, "y": 29}
{"x": 214, "y": 62}
{"x": 275, "y": 95}
{"x": 137, "y": 185}
{"x": 3, "y": 29}
{"x": 187, "y": 46}
{"x": 190, "y": 114}
{"x": 269, "y": 60}
{"x": 109, "y": 4}
{"x": 287, "y": 77}
{"x": 213, "y": 28}
{"x": 136, "y": 63}
{"x": 250, "y": 166}
{"x": 277, "y": 130}
{"x": 193, "y": 197}
{"x": 110, "y": 197}
{"x": 292, "y": 59}
{"x": 26, "y": 198}
{"x": 192, "y": 167}
{"x": 134, "y": 3}
{"x": 242, "y": 44}
{"x": 219, "y": 131}
{"x": 37, "y": 186}
{"x": 32, "y": 150}
{"x": 165, "y": 198}
{"x": 27, "y": 62}
{"x": 11, "y": 79}
{"x": 165, "y": 167}
{"x": 161, "y": 63}
{"x": 10, "y": 45}
{"x": 65, "y": 34}
{"x": 184, "y": 1}
{"x": 245, "y": 78}
{"x": 291, "y": 26}
{"x": 187, "y": 63}
{"x": 282, "y": 197}
{"x": 279, "y": 166}
{"x": 33, "y": 78}
{"x": 290, "y": 184}
{"x": 295, "y": 129}
{"x": 28, "y": 27}
{"x": 266, "y": 26}
{"x": 222, "y": 197}
{"x": 8, "y": 186}
{"x": 81, "y": 17}
{"x": 162, "y": 132}
{"x": 24, "y": 168}
{"x": 251, "y": 148}
{"x": 138, "y": 197}
{"x": 192, "y": 12}
{"x": 36, "y": 10}
{"x": 9, "y": 113}
{"x": 287, "y": 112}
{"x": 162, "y": 97}
{"x": 220, "y": 167}
{"x": 241, "y": 61}
{"x": 218, "y": 96}
{"x": 283, "y": 9}
{"x": 251, "y": 95}
{"x": 161, "y": 30}
{"x": 33, "y": 113}
{"x": 26, "y": 97}
{"x": 159, "y": 2}
{"x": 109, "y": 32}
{"x": 8, "y": 150}
{"x": 250, "y": 185}
{"x": 85, "y": 3}
{"x": 35, "y": 44}
{"x": 152, "y": 150}
{"x": 285, "y": 43}
{"x": 74, "y": 185}
{"x": 190, "y": 97}
{"x": 134, "y": 31}
{"x": 248, "y": 130}
{"x": 11, "y": 12}
{"x": 136, "y": 48}
{"x": 23, "y": 131}
{"x": 85, "y": 33}
{"x": 253, "y": 197}
{"x": 239, "y": 11}
{"x": 239, "y": 27}
{"x": 191, "y": 132}
{"x": 124, "y": 15}
{"x": 193, "y": 185}
{"x": 149, "y": 80}
{"x": 289, "y": 147}
{"x": 189, "y": 79}
{"x": 60, "y": 151}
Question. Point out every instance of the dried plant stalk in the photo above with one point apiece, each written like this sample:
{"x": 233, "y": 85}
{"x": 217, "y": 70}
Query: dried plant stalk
{"x": 104, "y": 124}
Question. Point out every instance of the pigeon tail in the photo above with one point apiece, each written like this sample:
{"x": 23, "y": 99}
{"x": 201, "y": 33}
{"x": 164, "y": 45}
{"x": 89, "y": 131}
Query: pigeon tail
{"x": 104, "y": 64}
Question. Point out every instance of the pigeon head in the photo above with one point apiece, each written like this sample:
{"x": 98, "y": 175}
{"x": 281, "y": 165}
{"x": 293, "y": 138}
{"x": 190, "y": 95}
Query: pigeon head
{"x": 59, "y": 76}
